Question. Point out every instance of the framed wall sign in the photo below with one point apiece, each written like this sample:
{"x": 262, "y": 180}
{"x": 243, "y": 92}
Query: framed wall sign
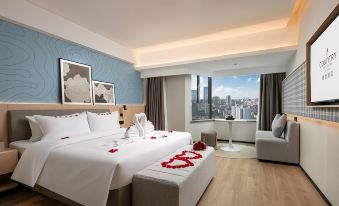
{"x": 322, "y": 53}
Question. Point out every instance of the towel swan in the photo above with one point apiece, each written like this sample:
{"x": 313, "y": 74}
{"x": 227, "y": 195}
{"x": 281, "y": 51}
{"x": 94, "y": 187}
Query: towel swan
{"x": 140, "y": 128}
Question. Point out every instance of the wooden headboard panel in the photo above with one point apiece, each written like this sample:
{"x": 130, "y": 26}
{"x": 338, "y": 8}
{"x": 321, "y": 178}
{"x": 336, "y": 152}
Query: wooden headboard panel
{"x": 5, "y": 109}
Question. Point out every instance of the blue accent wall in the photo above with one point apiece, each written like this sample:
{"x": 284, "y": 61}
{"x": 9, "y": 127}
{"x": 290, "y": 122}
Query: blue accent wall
{"x": 29, "y": 67}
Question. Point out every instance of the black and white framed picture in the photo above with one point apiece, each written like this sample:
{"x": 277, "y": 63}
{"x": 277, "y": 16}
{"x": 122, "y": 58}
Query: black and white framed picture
{"x": 103, "y": 93}
{"x": 75, "y": 83}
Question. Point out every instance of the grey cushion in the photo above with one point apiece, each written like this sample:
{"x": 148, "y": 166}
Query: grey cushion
{"x": 275, "y": 119}
{"x": 279, "y": 125}
{"x": 264, "y": 134}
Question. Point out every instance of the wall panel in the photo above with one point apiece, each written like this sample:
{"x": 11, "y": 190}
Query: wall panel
{"x": 319, "y": 135}
{"x": 294, "y": 98}
{"x": 29, "y": 67}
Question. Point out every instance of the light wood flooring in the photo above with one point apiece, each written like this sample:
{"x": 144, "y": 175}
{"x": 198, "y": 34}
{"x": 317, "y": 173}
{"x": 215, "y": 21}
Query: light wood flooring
{"x": 252, "y": 182}
{"x": 237, "y": 182}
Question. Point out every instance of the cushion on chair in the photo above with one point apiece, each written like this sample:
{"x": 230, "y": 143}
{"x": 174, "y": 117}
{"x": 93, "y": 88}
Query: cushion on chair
{"x": 275, "y": 119}
{"x": 279, "y": 125}
{"x": 264, "y": 134}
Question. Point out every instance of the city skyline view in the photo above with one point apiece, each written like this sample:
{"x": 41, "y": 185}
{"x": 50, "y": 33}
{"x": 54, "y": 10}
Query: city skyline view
{"x": 231, "y": 95}
{"x": 238, "y": 87}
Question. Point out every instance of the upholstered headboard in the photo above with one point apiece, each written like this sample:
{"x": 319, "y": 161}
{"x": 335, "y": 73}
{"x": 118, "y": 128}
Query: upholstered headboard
{"x": 19, "y": 127}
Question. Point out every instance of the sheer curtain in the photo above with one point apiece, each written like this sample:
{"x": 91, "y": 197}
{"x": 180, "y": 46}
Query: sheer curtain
{"x": 269, "y": 99}
{"x": 155, "y": 102}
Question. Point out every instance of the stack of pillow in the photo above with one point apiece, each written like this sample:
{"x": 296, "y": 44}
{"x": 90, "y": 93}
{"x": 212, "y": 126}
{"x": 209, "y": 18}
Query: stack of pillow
{"x": 278, "y": 125}
{"x": 49, "y": 127}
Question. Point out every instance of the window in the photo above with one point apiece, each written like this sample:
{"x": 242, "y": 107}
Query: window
{"x": 218, "y": 97}
{"x": 201, "y": 97}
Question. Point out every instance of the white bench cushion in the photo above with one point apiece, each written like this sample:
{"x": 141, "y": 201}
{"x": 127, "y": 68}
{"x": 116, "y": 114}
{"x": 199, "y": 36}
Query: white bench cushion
{"x": 157, "y": 185}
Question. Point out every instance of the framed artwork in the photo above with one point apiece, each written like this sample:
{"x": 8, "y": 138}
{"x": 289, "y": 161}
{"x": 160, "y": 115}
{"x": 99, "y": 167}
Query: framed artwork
{"x": 103, "y": 93}
{"x": 75, "y": 83}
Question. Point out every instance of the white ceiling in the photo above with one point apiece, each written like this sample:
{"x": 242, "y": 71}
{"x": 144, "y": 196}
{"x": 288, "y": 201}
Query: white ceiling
{"x": 252, "y": 63}
{"x": 140, "y": 23}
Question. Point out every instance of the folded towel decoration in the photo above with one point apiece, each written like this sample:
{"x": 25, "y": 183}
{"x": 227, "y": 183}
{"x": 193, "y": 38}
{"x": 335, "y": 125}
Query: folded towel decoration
{"x": 140, "y": 128}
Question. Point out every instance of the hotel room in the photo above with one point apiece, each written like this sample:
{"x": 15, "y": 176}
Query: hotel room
{"x": 169, "y": 103}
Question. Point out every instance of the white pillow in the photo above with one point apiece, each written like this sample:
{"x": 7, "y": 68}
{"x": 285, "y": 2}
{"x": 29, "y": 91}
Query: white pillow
{"x": 99, "y": 122}
{"x": 35, "y": 129}
{"x": 63, "y": 126}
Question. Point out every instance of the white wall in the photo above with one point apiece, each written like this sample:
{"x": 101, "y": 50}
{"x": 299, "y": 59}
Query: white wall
{"x": 176, "y": 102}
{"x": 196, "y": 128}
{"x": 241, "y": 131}
{"x": 314, "y": 14}
{"x": 319, "y": 143}
{"x": 319, "y": 156}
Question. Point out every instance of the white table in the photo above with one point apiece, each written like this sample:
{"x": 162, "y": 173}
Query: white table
{"x": 230, "y": 147}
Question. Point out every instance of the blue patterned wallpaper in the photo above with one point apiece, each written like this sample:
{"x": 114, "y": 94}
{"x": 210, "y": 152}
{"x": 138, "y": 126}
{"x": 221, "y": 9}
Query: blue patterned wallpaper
{"x": 29, "y": 67}
{"x": 294, "y": 98}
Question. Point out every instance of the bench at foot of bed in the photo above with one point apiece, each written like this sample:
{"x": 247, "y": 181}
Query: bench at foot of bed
{"x": 182, "y": 185}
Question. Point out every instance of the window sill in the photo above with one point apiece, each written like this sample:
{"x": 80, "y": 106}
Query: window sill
{"x": 221, "y": 120}
{"x": 202, "y": 120}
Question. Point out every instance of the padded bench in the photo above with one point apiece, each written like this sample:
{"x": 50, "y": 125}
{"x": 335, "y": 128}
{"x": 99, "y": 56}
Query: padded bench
{"x": 157, "y": 185}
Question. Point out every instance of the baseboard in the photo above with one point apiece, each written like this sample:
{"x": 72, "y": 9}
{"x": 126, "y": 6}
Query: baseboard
{"x": 316, "y": 187}
{"x": 277, "y": 162}
{"x": 225, "y": 140}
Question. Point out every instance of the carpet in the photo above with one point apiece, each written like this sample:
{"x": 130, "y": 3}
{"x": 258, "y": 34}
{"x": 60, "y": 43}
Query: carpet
{"x": 246, "y": 151}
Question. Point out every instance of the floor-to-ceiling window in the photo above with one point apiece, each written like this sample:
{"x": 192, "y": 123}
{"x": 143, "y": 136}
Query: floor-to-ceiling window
{"x": 218, "y": 97}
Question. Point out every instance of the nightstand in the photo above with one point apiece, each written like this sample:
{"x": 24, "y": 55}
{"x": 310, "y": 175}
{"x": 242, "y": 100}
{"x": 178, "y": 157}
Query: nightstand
{"x": 8, "y": 161}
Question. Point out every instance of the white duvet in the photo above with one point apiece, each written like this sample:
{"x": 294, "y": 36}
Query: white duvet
{"x": 81, "y": 168}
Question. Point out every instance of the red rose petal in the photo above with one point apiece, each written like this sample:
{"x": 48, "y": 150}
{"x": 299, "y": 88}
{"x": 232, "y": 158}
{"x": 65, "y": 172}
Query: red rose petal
{"x": 113, "y": 150}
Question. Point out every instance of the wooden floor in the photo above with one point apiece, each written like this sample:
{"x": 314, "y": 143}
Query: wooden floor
{"x": 237, "y": 182}
{"x": 252, "y": 182}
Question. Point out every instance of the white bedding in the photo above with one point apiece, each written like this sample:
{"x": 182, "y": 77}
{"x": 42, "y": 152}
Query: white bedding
{"x": 21, "y": 145}
{"x": 81, "y": 168}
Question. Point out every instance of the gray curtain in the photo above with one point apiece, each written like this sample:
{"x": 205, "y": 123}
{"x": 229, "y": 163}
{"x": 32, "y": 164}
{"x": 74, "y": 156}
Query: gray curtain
{"x": 154, "y": 102}
{"x": 270, "y": 99}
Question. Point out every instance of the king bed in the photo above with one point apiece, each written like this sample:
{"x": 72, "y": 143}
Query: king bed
{"x": 95, "y": 168}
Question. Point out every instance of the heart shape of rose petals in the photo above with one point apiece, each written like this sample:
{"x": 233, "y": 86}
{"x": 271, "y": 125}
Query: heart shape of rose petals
{"x": 171, "y": 164}
{"x": 184, "y": 155}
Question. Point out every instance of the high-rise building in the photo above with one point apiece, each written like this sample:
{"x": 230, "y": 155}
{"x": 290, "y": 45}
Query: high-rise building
{"x": 194, "y": 96}
{"x": 239, "y": 113}
{"x": 234, "y": 111}
{"x": 228, "y": 101}
{"x": 206, "y": 94}
{"x": 216, "y": 101}
{"x": 247, "y": 113}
